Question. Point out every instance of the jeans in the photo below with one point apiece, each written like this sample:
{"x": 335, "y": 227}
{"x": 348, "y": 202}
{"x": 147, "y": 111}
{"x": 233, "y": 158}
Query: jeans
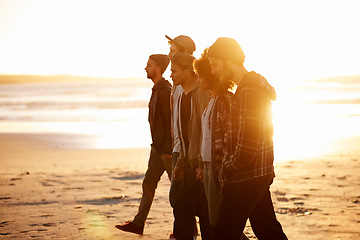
{"x": 213, "y": 195}
{"x": 190, "y": 201}
{"x": 174, "y": 188}
{"x": 243, "y": 200}
{"x": 156, "y": 167}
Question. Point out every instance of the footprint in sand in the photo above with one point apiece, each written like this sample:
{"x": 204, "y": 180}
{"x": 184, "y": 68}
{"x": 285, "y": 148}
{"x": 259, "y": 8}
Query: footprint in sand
{"x": 41, "y": 230}
{"x": 49, "y": 182}
{"x": 73, "y": 188}
{"x": 296, "y": 198}
{"x": 46, "y": 184}
{"x": 5, "y": 198}
{"x": 4, "y": 223}
{"x": 299, "y": 203}
{"x": 130, "y": 176}
{"x": 296, "y": 211}
{"x": 282, "y": 199}
{"x": 105, "y": 200}
{"x": 49, "y": 224}
{"x": 277, "y": 192}
{"x": 15, "y": 179}
{"x": 342, "y": 178}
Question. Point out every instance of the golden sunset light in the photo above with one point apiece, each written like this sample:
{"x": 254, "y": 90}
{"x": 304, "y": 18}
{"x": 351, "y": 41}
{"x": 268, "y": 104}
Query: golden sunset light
{"x": 286, "y": 41}
{"x": 77, "y": 113}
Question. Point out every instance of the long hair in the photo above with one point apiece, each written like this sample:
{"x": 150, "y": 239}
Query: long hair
{"x": 202, "y": 67}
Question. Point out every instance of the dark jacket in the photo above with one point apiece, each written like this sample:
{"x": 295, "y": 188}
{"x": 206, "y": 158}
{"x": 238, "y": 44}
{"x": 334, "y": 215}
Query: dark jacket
{"x": 199, "y": 101}
{"x": 159, "y": 117}
{"x": 249, "y": 152}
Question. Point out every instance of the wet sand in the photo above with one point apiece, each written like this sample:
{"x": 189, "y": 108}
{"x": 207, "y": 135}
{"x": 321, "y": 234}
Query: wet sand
{"x": 53, "y": 188}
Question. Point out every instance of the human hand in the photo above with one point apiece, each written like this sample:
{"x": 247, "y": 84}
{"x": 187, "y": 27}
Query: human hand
{"x": 200, "y": 174}
{"x": 178, "y": 173}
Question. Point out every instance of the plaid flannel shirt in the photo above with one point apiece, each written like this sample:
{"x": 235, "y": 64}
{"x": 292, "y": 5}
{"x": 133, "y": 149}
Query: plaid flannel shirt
{"x": 220, "y": 119}
{"x": 249, "y": 145}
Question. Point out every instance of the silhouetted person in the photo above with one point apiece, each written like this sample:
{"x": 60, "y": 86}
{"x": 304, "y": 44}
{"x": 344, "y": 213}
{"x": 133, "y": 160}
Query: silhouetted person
{"x": 180, "y": 44}
{"x": 213, "y": 128}
{"x": 191, "y": 199}
{"x": 247, "y": 170}
{"x": 161, "y": 147}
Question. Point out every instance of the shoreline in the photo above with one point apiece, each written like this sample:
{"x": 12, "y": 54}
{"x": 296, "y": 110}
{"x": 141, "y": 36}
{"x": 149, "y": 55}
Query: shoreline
{"x": 49, "y": 190}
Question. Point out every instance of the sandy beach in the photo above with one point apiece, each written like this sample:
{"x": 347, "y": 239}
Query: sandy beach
{"x": 53, "y": 188}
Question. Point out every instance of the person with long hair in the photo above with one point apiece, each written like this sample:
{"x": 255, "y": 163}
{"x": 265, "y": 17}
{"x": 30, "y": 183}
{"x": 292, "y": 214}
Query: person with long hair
{"x": 213, "y": 122}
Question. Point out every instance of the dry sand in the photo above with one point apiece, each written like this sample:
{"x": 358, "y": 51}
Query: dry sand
{"x": 51, "y": 188}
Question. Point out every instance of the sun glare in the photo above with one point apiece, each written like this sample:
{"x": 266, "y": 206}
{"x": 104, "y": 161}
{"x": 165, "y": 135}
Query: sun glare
{"x": 114, "y": 39}
{"x": 303, "y": 129}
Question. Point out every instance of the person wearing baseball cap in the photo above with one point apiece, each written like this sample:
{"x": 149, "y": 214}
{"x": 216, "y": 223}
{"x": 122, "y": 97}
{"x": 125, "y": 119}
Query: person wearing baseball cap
{"x": 161, "y": 147}
{"x": 247, "y": 169}
{"x": 187, "y": 191}
{"x": 181, "y": 44}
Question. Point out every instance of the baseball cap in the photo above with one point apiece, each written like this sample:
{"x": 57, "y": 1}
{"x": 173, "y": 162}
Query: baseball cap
{"x": 184, "y": 42}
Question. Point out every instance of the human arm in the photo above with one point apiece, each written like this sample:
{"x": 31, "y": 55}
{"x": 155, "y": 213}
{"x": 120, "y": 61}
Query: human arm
{"x": 166, "y": 119}
{"x": 250, "y": 124}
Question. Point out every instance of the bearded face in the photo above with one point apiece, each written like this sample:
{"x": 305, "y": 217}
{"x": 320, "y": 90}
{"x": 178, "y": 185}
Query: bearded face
{"x": 151, "y": 69}
{"x": 221, "y": 69}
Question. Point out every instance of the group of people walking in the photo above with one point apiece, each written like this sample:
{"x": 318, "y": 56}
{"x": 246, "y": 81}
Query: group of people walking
{"x": 216, "y": 146}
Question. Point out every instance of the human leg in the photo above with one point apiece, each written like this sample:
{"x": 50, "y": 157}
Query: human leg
{"x": 184, "y": 208}
{"x": 238, "y": 202}
{"x": 149, "y": 185}
{"x": 174, "y": 188}
{"x": 263, "y": 220}
{"x": 184, "y": 211}
{"x": 228, "y": 219}
{"x": 212, "y": 194}
{"x": 202, "y": 211}
{"x": 167, "y": 162}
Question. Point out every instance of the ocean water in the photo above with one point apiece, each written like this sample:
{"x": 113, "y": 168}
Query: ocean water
{"x": 310, "y": 119}
{"x": 114, "y": 112}
{"x": 317, "y": 118}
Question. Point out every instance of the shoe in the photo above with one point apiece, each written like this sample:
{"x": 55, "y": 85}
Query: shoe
{"x": 171, "y": 237}
{"x": 129, "y": 226}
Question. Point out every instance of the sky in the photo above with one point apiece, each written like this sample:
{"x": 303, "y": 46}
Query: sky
{"x": 286, "y": 41}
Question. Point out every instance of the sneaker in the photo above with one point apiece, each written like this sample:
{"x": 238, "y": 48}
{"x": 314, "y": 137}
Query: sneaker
{"x": 129, "y": 226}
